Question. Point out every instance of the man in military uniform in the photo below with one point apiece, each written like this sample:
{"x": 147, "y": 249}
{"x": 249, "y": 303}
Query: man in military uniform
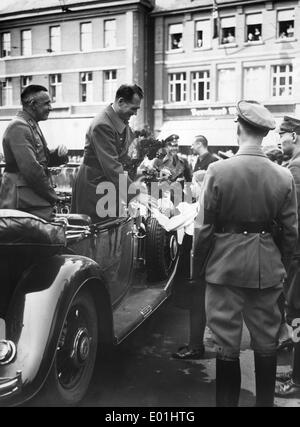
{"x": 179, "y": 168}
{"x": 26, "y": 183}
{"x": 204, "y": 157}
{"x": 244, "y": 269}
{"x": 289, "y": 132}
{"x": 106, "y": 148}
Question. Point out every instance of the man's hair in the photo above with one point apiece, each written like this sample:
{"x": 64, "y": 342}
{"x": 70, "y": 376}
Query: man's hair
{"x": 253, "y": 130}
{"x": 30, "y": 91}
{"x": 202, "y": 139}
{"x": 128, "y": 91}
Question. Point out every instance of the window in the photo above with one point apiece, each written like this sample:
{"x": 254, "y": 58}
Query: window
{"x": 26, "y": 48}
{"x": 254, "y": 82}
{"x": 200, "y": 86}
{"x": 227, "y": 85}
{"x": 254, "y": 27}
{"x": 55, "y": 88}
{"x": 177, "y": 87}
{"x": 175, "y": 36}
{"x": 86, "y": 87}
{"x": 282, "y": 80}
{"x": 203, "y": 34}
{"x": 110, "y": 85}
{"x": 86, "y": 36}
{"x": 7, "y": 92}
{"x": 228, "y": 30}
{"x": 286, "y": 23}
{"x": 55, "y": 40}
{"x": 5, "y": 44}
{"x": 110, "y": 33}
{"x": 25, "y": 81}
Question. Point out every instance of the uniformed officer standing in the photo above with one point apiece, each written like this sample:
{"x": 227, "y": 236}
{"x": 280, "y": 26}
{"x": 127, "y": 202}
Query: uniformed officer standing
{"x": 26, "y": 183}
{"x": 179, "y": 168}
{"x": 245, "y": 270}
{"x": 289, "y": 132}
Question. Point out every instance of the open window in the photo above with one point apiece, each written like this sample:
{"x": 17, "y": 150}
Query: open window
{"x": 228, "y": 29}
{"x": 254, "y": 28}
{"x": 175, "y": 36}
{"x": 203, "y": 34}
{"x": 286, "y": 24}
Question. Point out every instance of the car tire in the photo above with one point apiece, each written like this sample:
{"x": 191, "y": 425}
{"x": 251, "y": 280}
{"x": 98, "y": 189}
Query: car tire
{"x": 68, "y": 380}
{"x": 161, "y": 250}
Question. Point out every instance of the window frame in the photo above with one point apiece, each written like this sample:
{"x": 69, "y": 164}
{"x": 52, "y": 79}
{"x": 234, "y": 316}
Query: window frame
{"x": 23, "y": 40}
{"x": 8, "y": 90}
{"x": 286, "y": 75}
{"x": 195, "y": 80}
{"x": 3, "y": 43}
{"x": 51, "y": 38}
{"x": 56, "y": 84}
{"x": 172, "y": 87}
{"x": 208, "y": 38}
{"x": 170, "y": 34}
{"x": 110, "y": 84}
{"x": 88, "y": 35}
{"x": 222, "y": 28}
{"x": 88, "y": 84}
{"x": 278, "y": 31}
{"x": 110, "y": 31}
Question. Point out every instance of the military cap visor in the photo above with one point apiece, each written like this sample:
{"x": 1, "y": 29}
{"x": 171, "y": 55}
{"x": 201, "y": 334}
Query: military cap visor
{"x": 256, "y": 115}
{"x": 290, "y": 125}
{"x": 172, "y": 138}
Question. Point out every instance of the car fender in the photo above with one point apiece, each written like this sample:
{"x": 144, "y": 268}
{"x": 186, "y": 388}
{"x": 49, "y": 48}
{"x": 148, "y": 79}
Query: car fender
{"x": 37, "y": 313}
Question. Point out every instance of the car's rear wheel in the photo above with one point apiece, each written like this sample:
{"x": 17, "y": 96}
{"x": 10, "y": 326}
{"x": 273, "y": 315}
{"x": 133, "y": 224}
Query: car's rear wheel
{"x": 161, "y": 250}
{"x": 75, "y": 357}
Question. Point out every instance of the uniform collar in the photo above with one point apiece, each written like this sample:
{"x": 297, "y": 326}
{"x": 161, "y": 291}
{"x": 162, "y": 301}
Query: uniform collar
{"x": 26, "y": 116}
{"x": 250, "y": 150}
{"x": 170, "y": 158}
{"x": 296, "y": 154}
{"x": 117, "y": 122}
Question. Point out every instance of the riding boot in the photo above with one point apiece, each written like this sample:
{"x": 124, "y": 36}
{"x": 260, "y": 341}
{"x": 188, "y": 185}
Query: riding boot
{"x": 228, "y": 383}
{"x": 265, "y": 377}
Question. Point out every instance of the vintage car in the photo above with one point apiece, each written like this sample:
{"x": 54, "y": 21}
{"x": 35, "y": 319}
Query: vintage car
{"x": 64, "y": 302}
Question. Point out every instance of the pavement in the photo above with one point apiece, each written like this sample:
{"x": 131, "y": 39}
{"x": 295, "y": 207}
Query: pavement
{"x": 141, "y": 372}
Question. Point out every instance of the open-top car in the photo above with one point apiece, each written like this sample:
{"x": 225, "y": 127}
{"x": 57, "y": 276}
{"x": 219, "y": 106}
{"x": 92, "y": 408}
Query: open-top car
{"x": 70, "y": 288}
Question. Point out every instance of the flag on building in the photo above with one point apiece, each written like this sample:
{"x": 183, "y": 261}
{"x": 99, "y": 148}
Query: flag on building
{"x": 216, "y": 20}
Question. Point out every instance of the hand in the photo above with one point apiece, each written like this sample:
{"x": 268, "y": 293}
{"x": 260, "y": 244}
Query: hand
{"x": 62, "y": 150}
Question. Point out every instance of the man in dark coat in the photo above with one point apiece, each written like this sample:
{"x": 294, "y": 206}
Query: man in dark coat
{"x": 26, "y": 183}
{"x": 290, "y": 140}
{"x": 106, "y": 147}
{"x": 244, "y": 268}
{"x": 200, "y": 149}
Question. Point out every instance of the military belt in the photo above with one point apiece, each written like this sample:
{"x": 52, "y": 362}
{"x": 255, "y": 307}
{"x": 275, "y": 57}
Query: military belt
{"x": 244, "y": 228}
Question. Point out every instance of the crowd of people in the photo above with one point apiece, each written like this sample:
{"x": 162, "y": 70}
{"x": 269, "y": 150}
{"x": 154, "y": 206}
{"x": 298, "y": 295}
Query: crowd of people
{"x": 241, "y": 229}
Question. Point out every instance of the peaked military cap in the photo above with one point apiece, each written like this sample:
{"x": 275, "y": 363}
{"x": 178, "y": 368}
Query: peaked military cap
{"x": 256, "y": 115}
{"x": 172, "y": 139}
{"x": 290, "y": 124}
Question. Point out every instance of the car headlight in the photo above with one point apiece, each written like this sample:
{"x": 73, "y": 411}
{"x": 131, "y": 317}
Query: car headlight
{"x": 7, "y": 351}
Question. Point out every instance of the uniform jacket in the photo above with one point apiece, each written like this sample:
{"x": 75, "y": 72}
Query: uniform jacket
{"x": 204, "y": 162}
{"x": 294, "y": 167}
{"x": 106, "y": 146}
{"x": 293, "y": 283}
{"x": 179, "y": 168}
{"x": 247, "y": 188}
{"x": 26, "y": 183}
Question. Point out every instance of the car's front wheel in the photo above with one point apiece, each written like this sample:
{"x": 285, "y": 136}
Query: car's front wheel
{"x": 75, "y": 357}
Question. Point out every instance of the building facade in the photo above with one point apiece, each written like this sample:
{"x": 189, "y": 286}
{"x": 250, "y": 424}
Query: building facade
{"x": 207, "y": 59}
{"x": 81, "y": 51}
